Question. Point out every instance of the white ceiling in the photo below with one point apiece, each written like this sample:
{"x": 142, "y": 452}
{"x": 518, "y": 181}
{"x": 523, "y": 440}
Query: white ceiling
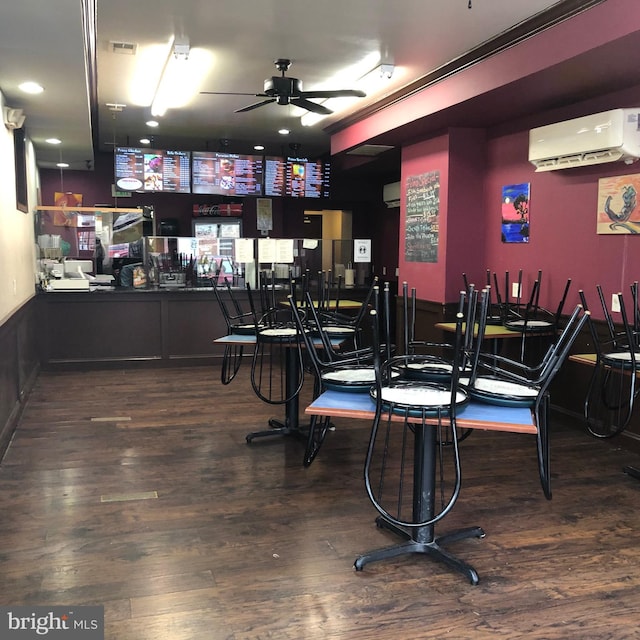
{"x": 45, "y": 41}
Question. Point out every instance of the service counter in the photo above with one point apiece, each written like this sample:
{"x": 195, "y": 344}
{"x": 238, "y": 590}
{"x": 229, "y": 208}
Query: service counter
{"x": 121, "y": 327}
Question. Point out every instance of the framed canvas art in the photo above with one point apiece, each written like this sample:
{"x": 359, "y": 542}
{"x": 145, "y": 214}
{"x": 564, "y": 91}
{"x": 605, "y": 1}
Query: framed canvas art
{"x": 618, "y": 211}
{"x": 515, "y": 212}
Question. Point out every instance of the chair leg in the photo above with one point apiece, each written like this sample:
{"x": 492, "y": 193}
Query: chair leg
{"x": 542, "y": 445}
{"x": 318, "y": 428}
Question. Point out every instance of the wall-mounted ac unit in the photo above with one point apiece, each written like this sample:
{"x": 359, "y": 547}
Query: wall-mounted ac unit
{"x": 391, "y": 194}
{"x": 601, "y": 137}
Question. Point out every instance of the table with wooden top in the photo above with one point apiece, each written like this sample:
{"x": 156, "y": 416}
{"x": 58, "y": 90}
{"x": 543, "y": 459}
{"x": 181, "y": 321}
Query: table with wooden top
{"x": 422, "y": 539}
{"x": 496, "y": 333}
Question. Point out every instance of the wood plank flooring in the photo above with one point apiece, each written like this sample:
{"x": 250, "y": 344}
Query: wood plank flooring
{"x": 136, "y": 490}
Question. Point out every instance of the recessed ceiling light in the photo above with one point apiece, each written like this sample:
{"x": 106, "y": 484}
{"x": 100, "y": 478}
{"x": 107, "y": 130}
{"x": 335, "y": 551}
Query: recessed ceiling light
{"x": 258, "y": 147}
{"x": 53, "y": 141}
{"x": 145, "y": 141}
{"x": 31, "y": 87}
{"x": 62, "y": 165}
{"x": 284, "y": 132}
{"x": 152, "y": 123}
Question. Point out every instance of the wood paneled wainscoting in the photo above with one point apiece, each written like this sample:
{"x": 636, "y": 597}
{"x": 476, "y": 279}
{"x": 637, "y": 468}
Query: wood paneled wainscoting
{"x": 136, "y": 490}
{"x": 19, "y": 366}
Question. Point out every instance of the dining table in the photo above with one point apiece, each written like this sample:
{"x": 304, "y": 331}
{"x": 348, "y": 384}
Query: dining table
{"x": 475, "y": 415}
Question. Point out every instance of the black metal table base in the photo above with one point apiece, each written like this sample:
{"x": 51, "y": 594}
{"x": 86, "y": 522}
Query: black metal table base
{"x": 431, "y": 547}
{"x": 277, "y": 428}
{"x": 633, "y": 472}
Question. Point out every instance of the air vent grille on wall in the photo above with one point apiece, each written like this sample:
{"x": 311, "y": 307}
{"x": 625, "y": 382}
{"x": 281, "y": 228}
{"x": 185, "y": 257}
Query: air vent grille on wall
{"x": 126, "y": 48}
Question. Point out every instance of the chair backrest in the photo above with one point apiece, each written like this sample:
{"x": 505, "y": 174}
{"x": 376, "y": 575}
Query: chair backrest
{"x": 418, "y": 421}
{"x": 232, "y": 311}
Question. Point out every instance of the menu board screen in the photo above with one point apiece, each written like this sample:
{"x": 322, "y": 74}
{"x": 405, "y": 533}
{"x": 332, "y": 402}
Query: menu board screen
{"x": 226, "y": 174}
{"x": 152, "y": 170}
{"x": 275, "y": 169}
{"x": 307, "y": 178}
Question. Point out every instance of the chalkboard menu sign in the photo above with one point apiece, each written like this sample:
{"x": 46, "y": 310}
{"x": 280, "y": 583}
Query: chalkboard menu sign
{"x": 422, "y": 198}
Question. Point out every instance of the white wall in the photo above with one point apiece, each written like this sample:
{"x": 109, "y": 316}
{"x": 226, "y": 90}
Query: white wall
{"x": 17, "y": 238}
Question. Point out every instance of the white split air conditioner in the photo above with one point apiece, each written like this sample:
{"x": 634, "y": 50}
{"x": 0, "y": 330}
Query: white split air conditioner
{"x": 13, "y": 118}
{"x": 601, "y": 137}
{"x": 391, "y": 194}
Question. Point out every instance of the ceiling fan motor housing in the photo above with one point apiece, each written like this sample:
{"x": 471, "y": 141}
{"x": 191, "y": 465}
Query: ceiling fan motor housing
{"x": 282, "y": 86}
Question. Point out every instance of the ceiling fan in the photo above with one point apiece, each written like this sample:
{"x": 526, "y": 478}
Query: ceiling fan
{"x": 287, "y": 90}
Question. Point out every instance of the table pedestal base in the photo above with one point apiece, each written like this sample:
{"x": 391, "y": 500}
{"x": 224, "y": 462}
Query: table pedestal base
{"x": 633, "y": 472}
{"x": 431, "y": 547}
{"x": 277, "y": 428}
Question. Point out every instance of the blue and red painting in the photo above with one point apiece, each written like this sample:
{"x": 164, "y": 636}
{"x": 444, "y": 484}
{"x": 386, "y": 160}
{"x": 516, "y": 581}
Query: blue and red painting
{"x": 515, "y": 212}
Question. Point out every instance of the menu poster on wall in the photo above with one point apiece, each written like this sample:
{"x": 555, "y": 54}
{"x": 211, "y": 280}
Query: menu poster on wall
{"x": 152, "y": 170}
{"x": 227, "y": 174}
{"x": 306, "y": 178}
{"x": 422, "y": 217}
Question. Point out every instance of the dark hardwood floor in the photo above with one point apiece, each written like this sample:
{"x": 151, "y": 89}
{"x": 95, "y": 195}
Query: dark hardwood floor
{"x": 136, "y": 490}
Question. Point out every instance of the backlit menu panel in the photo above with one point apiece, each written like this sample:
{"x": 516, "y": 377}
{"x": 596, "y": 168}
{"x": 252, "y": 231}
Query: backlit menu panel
{"x": 275, "y": 169}
{"x": 227, "y": 174}
{"x": 156, "y": 170}
{"x": 306, "y": 178}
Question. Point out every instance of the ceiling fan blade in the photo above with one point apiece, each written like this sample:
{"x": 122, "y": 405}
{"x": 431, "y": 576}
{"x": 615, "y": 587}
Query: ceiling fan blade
{"x": 255, "y": 105}
{"x": 338, "y": 93}
{"x": 311, "y": 106}
{"x": 232, "y": 93}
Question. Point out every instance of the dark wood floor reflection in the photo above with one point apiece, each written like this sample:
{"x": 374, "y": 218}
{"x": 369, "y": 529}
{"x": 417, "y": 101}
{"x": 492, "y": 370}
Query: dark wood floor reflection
{"x": 136, "y": 490}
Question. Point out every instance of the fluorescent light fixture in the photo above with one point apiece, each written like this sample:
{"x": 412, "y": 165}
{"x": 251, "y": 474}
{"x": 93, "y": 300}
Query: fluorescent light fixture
{"x": 31, "y": 87}
{"x": 62, "y": 165}
{"x": 168, "y": 76}
{"x": 372, "y": 82}
{"x": 53, "y": 141}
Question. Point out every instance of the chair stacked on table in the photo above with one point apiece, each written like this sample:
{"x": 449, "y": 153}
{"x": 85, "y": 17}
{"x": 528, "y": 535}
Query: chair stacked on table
{"x": 613, "y": 388}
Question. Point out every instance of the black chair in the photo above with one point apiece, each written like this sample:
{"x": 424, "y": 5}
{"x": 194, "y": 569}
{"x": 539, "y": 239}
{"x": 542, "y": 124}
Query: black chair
{"x": 408, "y": 466}
{"x": 532, "y": 319}
{"x": 498, "y": 380}
{"x": 277, "y": 372}
{"x": 613, "y": 388}
{"x": 347, "y": 371}
{"x": 238, "y": 321}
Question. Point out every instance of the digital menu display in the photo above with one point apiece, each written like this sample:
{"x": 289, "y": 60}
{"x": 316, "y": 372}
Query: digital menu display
{"x": 227, "y": 174}
{"x": 306, "y": 178}
{"x": 152, "y": 170}
{"x": 275, "y": 169}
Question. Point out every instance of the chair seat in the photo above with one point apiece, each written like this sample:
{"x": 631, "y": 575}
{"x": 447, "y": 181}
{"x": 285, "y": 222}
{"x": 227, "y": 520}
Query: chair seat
{"x": 622, "y": 359}
{"x": 352, "y": 379}
{"x": 530, "y": 326}
{"x": 279, "y": 334}
{"x": 247, "y": 329}
{"x": 494, "y": 390}
{"x": 416, "y": 398}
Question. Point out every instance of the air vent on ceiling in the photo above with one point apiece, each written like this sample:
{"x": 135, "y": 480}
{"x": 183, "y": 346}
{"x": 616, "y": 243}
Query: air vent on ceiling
{"x": 127, "y": 48}
{"x": 369, "y": 150}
